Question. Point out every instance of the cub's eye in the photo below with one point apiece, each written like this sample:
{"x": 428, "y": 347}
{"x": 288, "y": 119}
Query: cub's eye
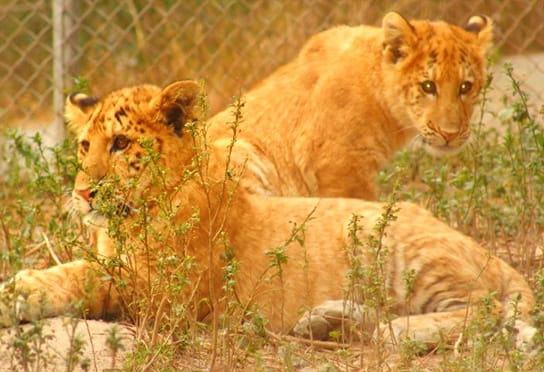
{"x": 465, "y": 87}
{"x": 84, "y": 145}
{"x": 120, "y": 143}
{"x": 429, "y": 87}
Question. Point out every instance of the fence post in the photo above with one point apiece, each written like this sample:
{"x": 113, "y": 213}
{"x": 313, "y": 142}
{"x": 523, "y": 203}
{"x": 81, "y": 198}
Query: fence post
{"x": 65, "y": 57}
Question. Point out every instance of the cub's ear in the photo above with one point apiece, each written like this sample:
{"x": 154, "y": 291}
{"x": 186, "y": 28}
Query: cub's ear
{"x": 399, "y": 36}
{"x": 177, "y": 104}
{"x": 483, "y": 27}
{"x": 77, "y": 108}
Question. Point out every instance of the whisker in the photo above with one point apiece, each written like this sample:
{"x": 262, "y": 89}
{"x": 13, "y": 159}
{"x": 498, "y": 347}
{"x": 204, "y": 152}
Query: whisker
{"x": 404, "y": 128}
{"x": 69, "y": 207}
{"x": 416, "y": 142}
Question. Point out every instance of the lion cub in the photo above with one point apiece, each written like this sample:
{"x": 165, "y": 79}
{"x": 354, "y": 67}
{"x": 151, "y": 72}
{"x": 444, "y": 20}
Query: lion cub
{"x": 183, "y": 217}
{"x": 325, "y": 123}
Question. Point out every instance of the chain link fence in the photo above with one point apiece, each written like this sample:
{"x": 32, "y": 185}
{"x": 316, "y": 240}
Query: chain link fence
{"x": 230, "y": 44}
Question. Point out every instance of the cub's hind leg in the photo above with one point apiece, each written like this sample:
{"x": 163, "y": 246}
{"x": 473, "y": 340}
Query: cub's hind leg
{"x": 77, "y": 287}
{"x": 429, "y": 329}
{"x": 355, "y": 321}
{"x": 449, "y": 327}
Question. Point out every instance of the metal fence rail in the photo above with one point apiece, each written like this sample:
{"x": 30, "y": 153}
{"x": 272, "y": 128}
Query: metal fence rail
{"x": 230, "y": 44}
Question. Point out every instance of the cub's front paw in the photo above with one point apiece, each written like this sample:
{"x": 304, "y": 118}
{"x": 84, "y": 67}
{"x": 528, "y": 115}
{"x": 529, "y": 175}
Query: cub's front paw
{"x": 10, "y": 305}
{"x": 525, "y": 335}
{"x": 334, "y": 319}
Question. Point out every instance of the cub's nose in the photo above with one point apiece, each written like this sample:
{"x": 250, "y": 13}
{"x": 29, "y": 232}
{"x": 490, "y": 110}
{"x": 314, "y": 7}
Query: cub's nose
{"x": 86, "y": 194}
{"x": 449, "y": 136}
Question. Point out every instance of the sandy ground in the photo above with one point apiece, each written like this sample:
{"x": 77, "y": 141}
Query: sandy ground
{"x": 53, "y": 353}
{"x": 528, "y": 69}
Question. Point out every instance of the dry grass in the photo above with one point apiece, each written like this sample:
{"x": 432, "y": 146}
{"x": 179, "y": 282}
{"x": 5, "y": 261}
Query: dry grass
{"x": 493, "y": 191}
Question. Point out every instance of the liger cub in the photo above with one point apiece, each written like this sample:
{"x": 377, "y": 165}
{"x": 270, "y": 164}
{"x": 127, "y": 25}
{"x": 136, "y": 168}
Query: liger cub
{"x": 325, "y": 123}
{"x": 165, "y": 204}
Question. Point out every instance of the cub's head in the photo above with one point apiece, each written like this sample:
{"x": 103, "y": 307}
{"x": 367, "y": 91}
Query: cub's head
{"x": 125, "y": 137}
{"x": 435, "y": 71}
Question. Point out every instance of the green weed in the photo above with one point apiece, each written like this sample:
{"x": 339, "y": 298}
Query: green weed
{"x": 493, "y": 191}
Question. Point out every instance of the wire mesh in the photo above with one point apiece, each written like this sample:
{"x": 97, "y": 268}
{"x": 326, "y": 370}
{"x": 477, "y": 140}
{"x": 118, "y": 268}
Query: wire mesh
{"x": 230, "y": 44}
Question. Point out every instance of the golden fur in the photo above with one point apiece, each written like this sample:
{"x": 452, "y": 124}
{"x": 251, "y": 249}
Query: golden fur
{"x": 451, "y": 272}
{"x": 324, "y": 124}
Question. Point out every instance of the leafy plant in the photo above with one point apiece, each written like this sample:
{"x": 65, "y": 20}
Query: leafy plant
{"x": 493, "y": 191}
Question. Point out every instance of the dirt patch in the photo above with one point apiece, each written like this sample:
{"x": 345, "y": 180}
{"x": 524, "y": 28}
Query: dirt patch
{"x": 48, "y": 346}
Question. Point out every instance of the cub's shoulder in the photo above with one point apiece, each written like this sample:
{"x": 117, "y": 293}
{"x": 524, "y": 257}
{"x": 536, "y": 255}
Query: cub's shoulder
{"x": 340, "y": 39}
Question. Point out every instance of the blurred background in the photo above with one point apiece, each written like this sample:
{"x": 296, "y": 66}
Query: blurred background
{"x": 47, "y": 47}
